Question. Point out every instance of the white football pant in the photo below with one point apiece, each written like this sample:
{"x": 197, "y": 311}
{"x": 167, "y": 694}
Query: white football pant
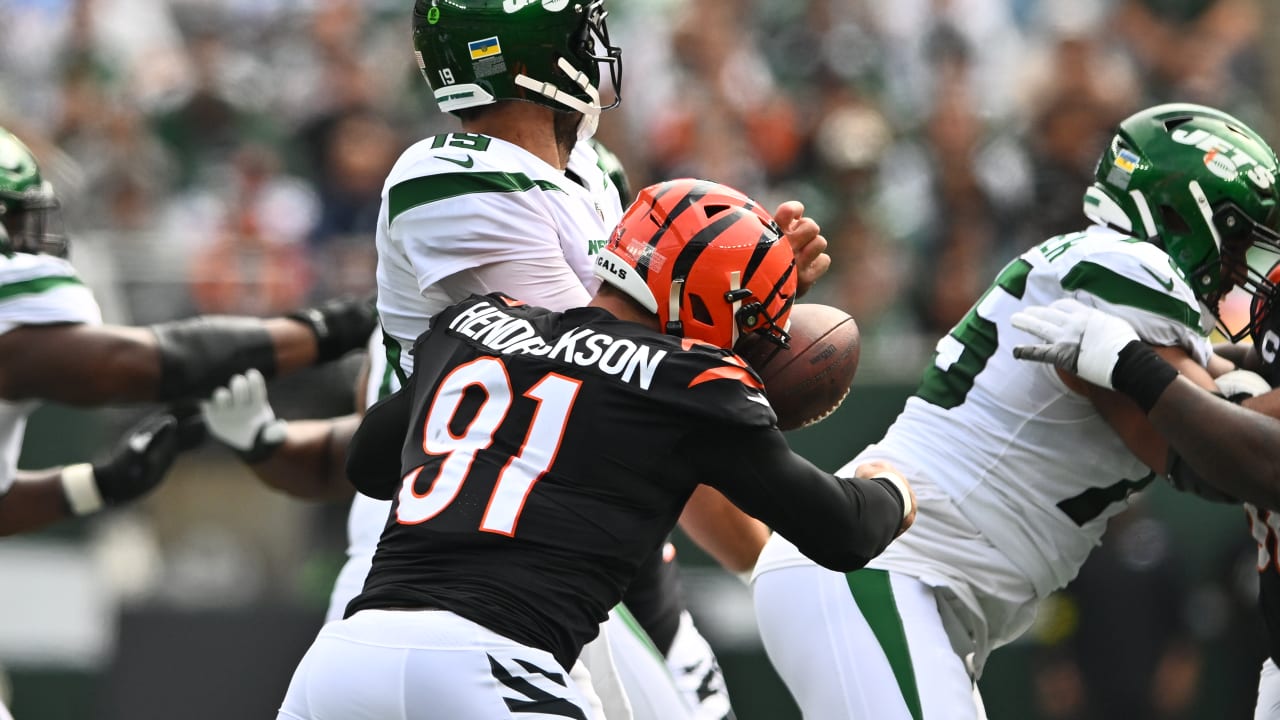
{"x": 650, "y": 688}
{"x": 866, "y": 646}
{"x": 697, "y": 672}
{"x": 1268, "y": 692}
{"x": 426, "y": 665}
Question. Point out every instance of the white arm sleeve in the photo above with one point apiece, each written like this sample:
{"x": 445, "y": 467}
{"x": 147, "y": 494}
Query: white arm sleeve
{"x": 548, "y": 283}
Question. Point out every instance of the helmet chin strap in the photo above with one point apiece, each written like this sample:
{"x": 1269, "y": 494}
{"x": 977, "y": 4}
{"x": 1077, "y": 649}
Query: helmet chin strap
{"x": 590, "y": 111}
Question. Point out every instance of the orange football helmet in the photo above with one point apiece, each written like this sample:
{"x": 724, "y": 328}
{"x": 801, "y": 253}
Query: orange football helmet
{"x": 706, "y": 259}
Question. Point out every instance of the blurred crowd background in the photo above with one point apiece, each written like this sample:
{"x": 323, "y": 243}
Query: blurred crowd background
{"x": 227, "y": 156}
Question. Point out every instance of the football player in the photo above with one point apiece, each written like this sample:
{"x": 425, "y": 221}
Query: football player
{"x": 536, "y": 459}
{"x": 53, "y": 346}
{"x": 1018, "y": 467}
{"x": 514, "y": 203}
{"x": 1218, "y": 449}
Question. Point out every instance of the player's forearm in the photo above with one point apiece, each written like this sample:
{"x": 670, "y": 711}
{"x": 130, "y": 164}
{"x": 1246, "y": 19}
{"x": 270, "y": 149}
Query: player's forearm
{"x": 1228, "y": 447}
{"x": 310, "y": 462}
{"x": 727, "y": 534}
{"x": 839, "y": 523}
{"x": 95, "y": 365}
{"x": 1232, "y": 448}
{"x": 36, "y": 500}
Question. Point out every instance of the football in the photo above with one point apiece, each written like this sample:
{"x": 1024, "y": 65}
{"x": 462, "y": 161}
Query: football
{"x": 807, "y": 382}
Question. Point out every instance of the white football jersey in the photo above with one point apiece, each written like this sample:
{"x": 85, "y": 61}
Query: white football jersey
{"x": 1028, "y": 462}
{"x": 460, "y": 201}
{"x": 35, "y": 290}
{"x": 1035, "y": 468}
{"x": 454, "y": 202}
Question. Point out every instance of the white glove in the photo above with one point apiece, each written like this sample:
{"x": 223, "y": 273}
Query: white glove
{"x": 1241, "y": 383}
{"x": 239, "y": 415}
{"x": 1078, "y": 338}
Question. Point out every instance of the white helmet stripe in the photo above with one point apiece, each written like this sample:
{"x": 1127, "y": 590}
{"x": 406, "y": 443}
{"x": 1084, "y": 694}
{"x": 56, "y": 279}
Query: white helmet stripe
{"x": 1144, "y": 210}
{"x": 1202, "y": 203}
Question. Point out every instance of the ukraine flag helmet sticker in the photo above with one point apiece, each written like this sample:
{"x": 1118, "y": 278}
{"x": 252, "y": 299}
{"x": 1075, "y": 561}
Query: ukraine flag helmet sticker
{"x": 486, "y": 57}
{"x": 487, "y": 47}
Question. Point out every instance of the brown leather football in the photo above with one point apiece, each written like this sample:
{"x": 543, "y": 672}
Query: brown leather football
{"x": 807, "y": 382}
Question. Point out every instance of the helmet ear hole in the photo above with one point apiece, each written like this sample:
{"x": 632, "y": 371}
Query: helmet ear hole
{"x": 1172, "y": 220}
{"x": 699, "y": 310}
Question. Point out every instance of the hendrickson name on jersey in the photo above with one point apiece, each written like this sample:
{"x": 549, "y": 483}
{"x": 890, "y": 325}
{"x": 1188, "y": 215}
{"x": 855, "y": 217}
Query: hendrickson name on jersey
{"x": 501, "y": 332}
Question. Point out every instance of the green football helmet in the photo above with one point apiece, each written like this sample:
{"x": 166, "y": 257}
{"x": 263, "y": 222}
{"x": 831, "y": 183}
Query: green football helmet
{"x": 478, "y": 52}
{"x": 29, "y": 211}
{"x": 1198, "y": 183}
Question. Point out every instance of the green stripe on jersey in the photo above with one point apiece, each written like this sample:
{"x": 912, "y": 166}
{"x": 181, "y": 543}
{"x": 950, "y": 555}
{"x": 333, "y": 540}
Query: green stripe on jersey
{"x": 1013, "y": 278}
{"x": 393, "y": 348}
{"x": 874, "y": 595}
{"x": 37, "y": 285}
{"x": 431, "y": 188}
{"x": 384, "y": 387}
{"x": 1117, "y": 289}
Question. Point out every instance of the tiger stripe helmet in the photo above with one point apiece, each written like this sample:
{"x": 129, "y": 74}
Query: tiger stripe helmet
{"x": 706, "y": 259}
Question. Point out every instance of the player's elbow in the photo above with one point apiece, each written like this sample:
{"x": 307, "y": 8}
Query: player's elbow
{"x": 851, "y": 546}
{"x": 843, "y": 560}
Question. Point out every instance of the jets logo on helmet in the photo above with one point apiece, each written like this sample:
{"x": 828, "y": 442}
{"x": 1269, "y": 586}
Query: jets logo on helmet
{"x": 1201, "y": 185}
{"x": 706, "y": 260}
{"x": 1223, "y": 157}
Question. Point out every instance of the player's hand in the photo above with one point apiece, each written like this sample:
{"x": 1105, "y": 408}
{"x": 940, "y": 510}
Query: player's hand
{"x": 340, "y": 325}
{"x": 1238, "y": 385}
{"x": 807, "y": 242}
{"x": 1077, "y": 338}
{"x": 880, "y": 469}
{"x": 136, "y": 465}
{"x": 240, "y": 415}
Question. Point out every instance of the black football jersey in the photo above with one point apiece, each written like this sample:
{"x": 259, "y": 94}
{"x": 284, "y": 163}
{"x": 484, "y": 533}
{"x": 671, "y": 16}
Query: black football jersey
{"x": 548, "y": 456}
{"x": 1265, "y": 526}
{"x": 655, "y": 598}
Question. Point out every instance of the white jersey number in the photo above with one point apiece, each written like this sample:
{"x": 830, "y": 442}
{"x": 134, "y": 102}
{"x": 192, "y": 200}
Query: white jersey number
{"x": 555, "y": 395}
{"x": 964, "y": 352}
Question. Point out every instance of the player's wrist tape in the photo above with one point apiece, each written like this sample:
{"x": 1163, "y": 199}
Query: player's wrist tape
{"x": 1142, "y": 374}
{"x": 80, "y": 487}
{"x": 270, "y": 437}
{"x": 899, "y": 483}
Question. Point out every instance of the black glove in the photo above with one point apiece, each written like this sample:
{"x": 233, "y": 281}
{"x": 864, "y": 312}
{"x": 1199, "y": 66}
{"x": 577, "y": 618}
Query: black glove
{"x": 136, "y": 465}
{"x": 191, "y": 428}
{"x": 341, "y": 325}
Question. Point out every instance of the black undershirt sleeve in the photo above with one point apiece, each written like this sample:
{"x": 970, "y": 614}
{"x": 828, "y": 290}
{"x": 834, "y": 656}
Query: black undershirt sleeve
{"x": 374, "y": 455}
{"x": 839, "y": 523}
